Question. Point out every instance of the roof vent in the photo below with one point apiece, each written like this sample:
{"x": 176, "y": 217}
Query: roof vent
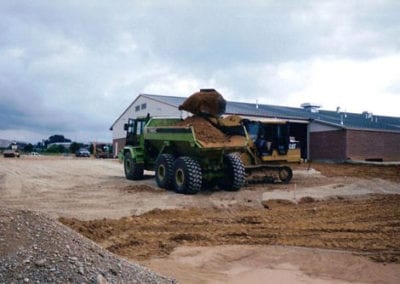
{"x": 367, "y": 115}
{"x": 311, "y": 107}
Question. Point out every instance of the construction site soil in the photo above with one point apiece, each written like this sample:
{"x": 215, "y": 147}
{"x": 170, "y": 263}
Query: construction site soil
{"x": 204, "y": 130}
{"x": 368, "y": 171}
{"x": 368, "y": 226}
{"x": 211, "y": 136}
{"x": 335, "y": 223}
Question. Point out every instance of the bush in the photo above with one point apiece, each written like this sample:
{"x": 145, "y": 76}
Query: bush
{"x": 56, "y": 149}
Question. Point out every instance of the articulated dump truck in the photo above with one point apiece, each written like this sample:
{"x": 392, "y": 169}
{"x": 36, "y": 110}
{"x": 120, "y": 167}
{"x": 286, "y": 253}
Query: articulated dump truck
{"x": 186, "y": 157}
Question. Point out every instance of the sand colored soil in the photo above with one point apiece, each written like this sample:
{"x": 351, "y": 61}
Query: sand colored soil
{"x": 366, "y": 226}
{"x": 368, "y": 171}
{"x": 212, "y": 237}
{"x": 204, "y": 130}
{"x": 211, "y": 136}
{"x": 257, "y": 264}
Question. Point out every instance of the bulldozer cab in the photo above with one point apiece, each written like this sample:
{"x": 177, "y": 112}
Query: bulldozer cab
{"x": 134, "y": 130}
{"x": 269, "y": 137}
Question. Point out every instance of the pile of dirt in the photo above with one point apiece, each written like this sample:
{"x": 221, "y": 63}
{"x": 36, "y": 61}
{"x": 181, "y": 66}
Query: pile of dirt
{"x": 368, "y": 226}
{"x": 204, "y": 130}
{"x": 37, "y": 249}
{"x": 207, "y": 101}
{"x": 367, "y": 171}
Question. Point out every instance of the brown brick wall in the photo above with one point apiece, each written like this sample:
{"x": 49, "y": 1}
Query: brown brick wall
{"x": 328, "y": 145}
{"x": 121, "y": 144}
{"x": 373, "y": 145}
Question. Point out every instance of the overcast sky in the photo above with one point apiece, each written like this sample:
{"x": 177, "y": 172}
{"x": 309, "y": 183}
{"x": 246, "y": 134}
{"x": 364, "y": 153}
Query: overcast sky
{"x": 72, "y": 67}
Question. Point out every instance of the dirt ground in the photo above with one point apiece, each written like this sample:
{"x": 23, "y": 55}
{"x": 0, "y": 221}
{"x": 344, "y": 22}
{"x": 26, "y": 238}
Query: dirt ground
{"x": 329, "y": 225}
{"x": 368, "y": 226}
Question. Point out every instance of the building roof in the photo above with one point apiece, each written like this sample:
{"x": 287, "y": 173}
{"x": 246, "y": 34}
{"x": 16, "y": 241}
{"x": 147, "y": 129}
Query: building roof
{"x": 360, "y": 121}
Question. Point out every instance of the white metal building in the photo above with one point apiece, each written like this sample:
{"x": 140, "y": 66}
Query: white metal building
{"x": 154, "y": 105}
{"x": 332, "y": 135}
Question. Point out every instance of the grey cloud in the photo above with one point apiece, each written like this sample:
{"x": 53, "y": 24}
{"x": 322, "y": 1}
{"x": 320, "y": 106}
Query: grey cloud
{"x": 78, "y": 64}
{"x": 236, "y": 32}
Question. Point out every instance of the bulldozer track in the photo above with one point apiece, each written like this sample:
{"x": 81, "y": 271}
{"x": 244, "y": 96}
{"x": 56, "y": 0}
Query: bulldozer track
{"x": 259, "y": 174}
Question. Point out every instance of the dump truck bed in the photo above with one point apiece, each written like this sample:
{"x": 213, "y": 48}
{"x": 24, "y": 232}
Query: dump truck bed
{"x": 200, "y": 135}
{"x": 188, "y": 135}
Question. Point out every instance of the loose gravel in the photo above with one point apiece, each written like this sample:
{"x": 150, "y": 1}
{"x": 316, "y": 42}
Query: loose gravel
{"x": 37, "y": 249}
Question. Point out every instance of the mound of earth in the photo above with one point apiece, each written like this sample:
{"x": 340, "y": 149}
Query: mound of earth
{"x": 368, "y": 171}
{"x": 367, "y": 226}
{"x": 37, "y": 249}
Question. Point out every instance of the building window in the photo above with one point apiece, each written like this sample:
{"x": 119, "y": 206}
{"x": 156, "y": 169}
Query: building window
{"x": 144, "y": 106}
{"x": 137, "y": 108}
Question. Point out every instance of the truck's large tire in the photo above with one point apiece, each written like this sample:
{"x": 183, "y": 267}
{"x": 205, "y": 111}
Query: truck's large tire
{"x": 164, "y": 170}
{"x": 234, "y": 173}
{"x": 187, "y": 176}
{"x": 133, "y": 170}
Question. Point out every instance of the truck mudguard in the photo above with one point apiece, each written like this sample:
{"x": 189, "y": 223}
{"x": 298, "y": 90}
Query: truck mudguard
{"x": 137, "y": 153}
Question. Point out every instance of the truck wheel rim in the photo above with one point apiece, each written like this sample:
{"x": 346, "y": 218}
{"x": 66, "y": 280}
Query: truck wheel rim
{"x": 161, "y": 172}
{"x": 128, "y": 165}
{"x": 179, "y": 177}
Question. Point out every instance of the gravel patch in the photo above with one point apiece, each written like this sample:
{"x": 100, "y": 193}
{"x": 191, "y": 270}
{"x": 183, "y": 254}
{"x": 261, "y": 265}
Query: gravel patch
{"x": 37, "y": 249}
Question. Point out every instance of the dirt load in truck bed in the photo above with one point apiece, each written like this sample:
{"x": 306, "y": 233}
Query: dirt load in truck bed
{"x": 208, "y": 134}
